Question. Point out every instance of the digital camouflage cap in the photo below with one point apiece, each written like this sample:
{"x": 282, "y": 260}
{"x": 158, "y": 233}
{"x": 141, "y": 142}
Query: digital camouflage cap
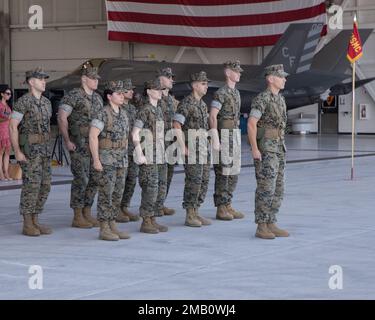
{"x": 90, "y": 72}
{"x": 233, "y": 65}
{"x": 275, "y": 70}
{"x": 153, "y": 84}
{"x": 115, "y": 86}
{"x": 128, "y": 85}
{"x": 199, "y": 76}
{"x": 166, "y": 72}
{"x": 37, "y": 73}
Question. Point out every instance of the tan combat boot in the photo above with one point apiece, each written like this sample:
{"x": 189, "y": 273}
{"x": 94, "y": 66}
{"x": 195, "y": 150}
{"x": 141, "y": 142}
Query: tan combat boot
{"x": 168, "y": 211}
{"x": 122, "y": 217}
{"x": 79, "y": 221}
{"x": 43, "y": 229}
{"x": 131, "y": 216}
{"x": 204, "y": 221}
{"x": 121, "y": 235}
{"x": 86, "y": 212}
{"x": 106, "y": 233}
{"x": 234, "y": 213}
{"x": 223, "y": 214}
{"x": 160, "y": 227}
{"x": 263, "y": 232}
{"x": 276, "y": 231}
{"x": 147, "y": 226}
{"x": 29, "y": 229}
{"x": 191, "y": 220}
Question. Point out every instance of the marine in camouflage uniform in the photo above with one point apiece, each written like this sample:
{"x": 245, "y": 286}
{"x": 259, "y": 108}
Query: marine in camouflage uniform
{"x": 192, "y": 116}
{"x": 267, "y": 125}
{"x": 152, "y": 175}
{"x": 137, "y": 100}
{"x": 132, "y": 173}
{"x": 168, "y": 105}
{"x": 31, "y": 114}
{"x": 226, "y": 104}
{"x": 109, "y": 148}
{"x": 78, "y": 106}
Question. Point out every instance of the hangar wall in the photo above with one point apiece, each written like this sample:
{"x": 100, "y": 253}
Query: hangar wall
{"x": 363, "y": 124}
{"x": 75, "y": 30}
{"x": 4, "y": 42}
{"x": 365, "y": 11}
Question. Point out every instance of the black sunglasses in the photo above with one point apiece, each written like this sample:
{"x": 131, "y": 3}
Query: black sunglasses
{"x": 8, "y": 93}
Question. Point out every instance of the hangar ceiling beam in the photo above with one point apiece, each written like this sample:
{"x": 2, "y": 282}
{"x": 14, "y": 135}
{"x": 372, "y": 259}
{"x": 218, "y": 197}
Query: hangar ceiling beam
{"x": 199, "y": 52}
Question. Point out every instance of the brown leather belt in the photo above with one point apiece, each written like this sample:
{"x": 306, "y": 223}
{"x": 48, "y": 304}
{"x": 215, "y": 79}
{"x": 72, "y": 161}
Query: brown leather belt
{"x": 109, "y": 144}
{"x": 228, "y": 124}
{"x": 38, "y": 138}
{"x": 273, "y": 133}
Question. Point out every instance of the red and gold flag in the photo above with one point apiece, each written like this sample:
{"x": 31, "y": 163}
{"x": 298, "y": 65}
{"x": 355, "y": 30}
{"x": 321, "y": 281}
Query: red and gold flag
{"x": 355, "y": 45}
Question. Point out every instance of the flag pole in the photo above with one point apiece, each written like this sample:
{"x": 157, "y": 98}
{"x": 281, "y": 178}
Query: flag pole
{"x": 353, "y": 109}
{"x": 355, "y": 52}
{"x": 353, "y": 120}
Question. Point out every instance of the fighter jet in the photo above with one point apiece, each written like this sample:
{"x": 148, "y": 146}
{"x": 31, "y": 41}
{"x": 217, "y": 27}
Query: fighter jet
{"x": 311, "y": 74}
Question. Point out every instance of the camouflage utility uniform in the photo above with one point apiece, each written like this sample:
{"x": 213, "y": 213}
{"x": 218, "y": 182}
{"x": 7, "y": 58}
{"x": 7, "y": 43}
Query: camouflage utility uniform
{"x": 80, "y": 106}
{"x": 228, "y": 102}
{"x": 113, "y": 155}
{"x": 193, "y": 114}
{"x": 192, "y": 118}
{"x": 133, "y": 170}
{"x": 270, "y": 109}
{"x": 34, "y": 140}
{"x": 168, "y": 106}
{"x": 152, "y": 176}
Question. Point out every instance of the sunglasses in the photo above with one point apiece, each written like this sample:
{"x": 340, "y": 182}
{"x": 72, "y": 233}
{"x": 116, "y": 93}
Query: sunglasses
{"x": 8, "y": 93}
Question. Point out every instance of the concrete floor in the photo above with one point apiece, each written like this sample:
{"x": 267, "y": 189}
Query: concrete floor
{"x": 330, "y": 219}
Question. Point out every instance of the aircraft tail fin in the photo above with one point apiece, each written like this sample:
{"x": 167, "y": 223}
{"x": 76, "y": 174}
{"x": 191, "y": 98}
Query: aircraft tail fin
{"x": 332, "y": 57}
{"x": 296, "y": 47}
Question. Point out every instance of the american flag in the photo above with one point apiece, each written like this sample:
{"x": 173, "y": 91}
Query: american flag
{"x": 208, "y": 23}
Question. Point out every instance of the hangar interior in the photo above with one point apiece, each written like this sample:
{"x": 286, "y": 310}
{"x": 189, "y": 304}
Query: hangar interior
{"x": 75, "y": 31}
{"x": 329, "y": 216}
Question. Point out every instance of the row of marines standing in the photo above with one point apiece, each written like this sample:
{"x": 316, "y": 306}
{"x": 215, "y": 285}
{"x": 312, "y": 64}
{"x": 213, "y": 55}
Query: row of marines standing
{"x": 103, "y": 138}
